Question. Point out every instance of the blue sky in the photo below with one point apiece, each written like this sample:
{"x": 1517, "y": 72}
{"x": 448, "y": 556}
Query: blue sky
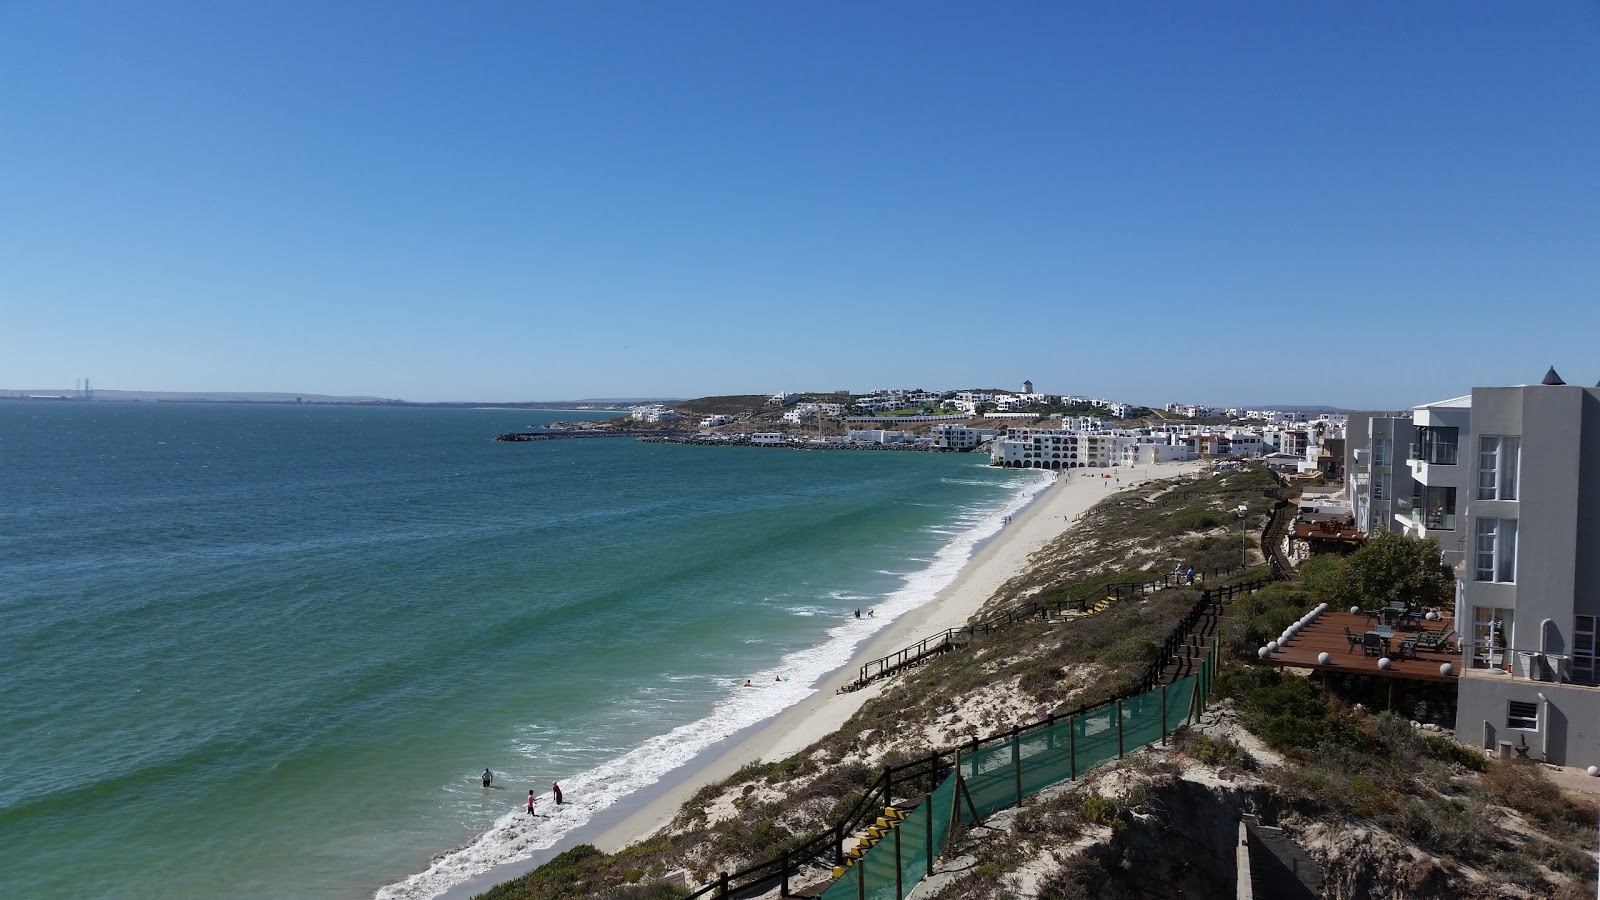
{"x": 1369, "y": 205}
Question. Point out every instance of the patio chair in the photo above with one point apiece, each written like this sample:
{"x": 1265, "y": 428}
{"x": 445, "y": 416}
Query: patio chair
{"x": 1373, "y": 645}
{"x": 1354, "y": 639}
{"x": 1408, "y": 647}
{"x": 1372, "y": 614}
{"x": 1435, "y": 641}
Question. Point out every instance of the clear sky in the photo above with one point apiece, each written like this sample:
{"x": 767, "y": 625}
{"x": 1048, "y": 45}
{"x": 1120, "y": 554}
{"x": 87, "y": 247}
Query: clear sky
{"x": 1359, "y": 204}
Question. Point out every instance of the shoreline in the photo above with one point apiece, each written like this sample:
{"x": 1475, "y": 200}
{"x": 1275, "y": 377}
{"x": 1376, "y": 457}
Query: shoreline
{"x": 1050, "y": 513}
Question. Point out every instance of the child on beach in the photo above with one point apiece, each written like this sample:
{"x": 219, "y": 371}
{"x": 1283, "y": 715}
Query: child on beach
{"x": 556, "y": 789}
{"x": 530, "y": 802}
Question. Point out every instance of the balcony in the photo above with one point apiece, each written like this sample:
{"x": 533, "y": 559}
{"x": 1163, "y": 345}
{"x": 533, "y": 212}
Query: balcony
{"x": 1435, "y": 446}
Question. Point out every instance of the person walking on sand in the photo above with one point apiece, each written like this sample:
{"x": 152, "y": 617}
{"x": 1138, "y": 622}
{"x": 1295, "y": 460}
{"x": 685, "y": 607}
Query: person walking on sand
{"x": 488, "y": 777}
{"x": 556, "y": 789}
{"x": 530, "y": 802}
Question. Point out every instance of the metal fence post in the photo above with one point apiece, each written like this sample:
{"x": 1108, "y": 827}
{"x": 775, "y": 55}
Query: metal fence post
{"x": 1072, "y": 747}
{"x": 1163, "y": 714}
{"x": 1119, "y": 728}
{"x": 899, "y": 887}
{"x": 722, "y": 885}
{"x": 955, "y": 795}
{"x": 1016, "y": 760}
{"x": 783, "y": 886}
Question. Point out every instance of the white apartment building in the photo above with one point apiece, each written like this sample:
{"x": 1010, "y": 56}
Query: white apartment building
{"x": 1376, "y": 471}
{"x": 1064, "y": 448}
{"x": 783, "y": 398}
{"x": 716, "y": 421}
{"x": 954, "y": 437}
{"x": 1524, "y": 467}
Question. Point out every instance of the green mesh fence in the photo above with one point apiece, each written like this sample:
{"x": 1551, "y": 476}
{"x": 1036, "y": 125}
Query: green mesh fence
{"x": 1003, "y": 771}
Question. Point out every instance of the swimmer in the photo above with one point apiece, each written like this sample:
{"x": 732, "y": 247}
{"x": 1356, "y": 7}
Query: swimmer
{"x": 488, "y": 777}
{"x": 747, "y": 682}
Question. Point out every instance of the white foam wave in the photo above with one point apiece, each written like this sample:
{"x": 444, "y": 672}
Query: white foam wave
{"x": 515, "y": 835}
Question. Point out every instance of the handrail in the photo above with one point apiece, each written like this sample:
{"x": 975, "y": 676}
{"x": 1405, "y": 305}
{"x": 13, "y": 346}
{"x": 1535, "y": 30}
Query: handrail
{"x": 882, "y": 666}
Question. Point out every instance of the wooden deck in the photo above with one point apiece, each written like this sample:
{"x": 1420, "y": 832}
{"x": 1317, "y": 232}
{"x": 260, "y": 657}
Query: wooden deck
{"x": 1326, "y": 634}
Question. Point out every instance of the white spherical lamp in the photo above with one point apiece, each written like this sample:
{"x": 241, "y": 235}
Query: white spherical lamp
{"x": 1384, "y": 663}
{"x": 1354, "y": 610}
{"x": 1263, "y": 652}
{"x": 1272, "y": 646}
{"x": 1446, "y": 669}
{"x": 1593, "y": 770}
{"x": 1324, "y": 658}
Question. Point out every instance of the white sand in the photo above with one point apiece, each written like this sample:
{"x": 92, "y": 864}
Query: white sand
{"x": 1004, "y": 556}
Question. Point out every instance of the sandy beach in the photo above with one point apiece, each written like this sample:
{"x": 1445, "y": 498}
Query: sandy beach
{"x": 1053, "y": 512}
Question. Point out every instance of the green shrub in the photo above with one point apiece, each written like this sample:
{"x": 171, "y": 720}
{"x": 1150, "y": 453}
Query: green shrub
{"x": 1102, "y": 811}
{"x": 1446, "y": 750}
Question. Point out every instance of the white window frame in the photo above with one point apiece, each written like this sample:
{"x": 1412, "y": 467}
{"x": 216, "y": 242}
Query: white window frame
{"x": 1495, "y": 550}
{"x": 1499, "y": 465}
{"x": 1515, "y": 715}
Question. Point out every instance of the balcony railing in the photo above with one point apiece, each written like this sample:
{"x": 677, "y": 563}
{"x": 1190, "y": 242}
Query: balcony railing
{"x": 1439, "y": 521}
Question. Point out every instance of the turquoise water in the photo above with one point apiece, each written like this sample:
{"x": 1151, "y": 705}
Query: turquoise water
{"x": 264, "y": 651}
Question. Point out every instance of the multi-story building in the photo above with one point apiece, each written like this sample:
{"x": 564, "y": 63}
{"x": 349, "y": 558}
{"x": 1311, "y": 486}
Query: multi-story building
{"x": 1438, "y": 478}
{"x": 1521, "y": 470}
{"x": 1376, "y": 471}
{"x": 954, "y": 437}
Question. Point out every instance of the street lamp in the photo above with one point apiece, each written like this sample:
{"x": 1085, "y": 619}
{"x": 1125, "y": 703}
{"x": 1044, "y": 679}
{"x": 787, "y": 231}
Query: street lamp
{"x": 1244, "y": 538}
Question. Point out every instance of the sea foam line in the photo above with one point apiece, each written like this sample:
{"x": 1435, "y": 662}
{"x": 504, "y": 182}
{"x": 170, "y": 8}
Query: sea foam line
{"x": 516, "y": 836}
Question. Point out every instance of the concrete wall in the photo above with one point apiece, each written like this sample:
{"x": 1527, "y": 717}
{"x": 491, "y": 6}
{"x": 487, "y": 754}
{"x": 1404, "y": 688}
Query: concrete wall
{"x": 1569, "y": 724}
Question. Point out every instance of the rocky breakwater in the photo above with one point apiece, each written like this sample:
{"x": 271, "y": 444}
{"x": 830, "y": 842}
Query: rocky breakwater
{"x": 581, "y": 433}
{"x": 744, "y": 441}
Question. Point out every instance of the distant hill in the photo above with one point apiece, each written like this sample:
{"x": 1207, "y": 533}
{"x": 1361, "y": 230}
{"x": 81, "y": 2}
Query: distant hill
{"x": 731, "y": 405}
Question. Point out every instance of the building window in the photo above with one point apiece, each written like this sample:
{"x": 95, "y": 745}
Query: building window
{"x": 1498, "y": 459}
{"x": 1490, "y": 626}
{"x": 1380, "y": 452}
{"x": 1496, "y": 555}
{"x": 1435, "y": 506}
{"x": 1583, "y": 649}
{"x": 1522, "y": 715}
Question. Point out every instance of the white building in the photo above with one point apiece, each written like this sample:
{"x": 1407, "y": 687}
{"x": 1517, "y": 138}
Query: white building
{"x": 954, "y": 437}
{"x": 716, "y": 421}
{"x": 654, "y": 412}
{"x": 783, "y": 398}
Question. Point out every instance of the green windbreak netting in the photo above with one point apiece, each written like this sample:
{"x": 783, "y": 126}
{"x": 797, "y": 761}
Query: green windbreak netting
{"x": 878, "y": 866}
{"x": 1000, "y": 773}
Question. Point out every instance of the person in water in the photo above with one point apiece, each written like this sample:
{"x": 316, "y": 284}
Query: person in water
{"x": 556, "y": 789}
{"x": 488, "y": 777}
{"x": 530, "y": 802}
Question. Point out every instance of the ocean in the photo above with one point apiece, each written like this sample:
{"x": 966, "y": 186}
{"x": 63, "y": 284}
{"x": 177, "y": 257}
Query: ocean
{"x": 265, "y": 651}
